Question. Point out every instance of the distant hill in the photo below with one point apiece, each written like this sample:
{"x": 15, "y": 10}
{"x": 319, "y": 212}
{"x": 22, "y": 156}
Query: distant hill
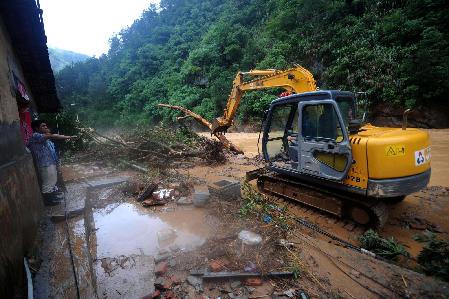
{"x": 60, "y": 58}
{"x": 187, "y": 52}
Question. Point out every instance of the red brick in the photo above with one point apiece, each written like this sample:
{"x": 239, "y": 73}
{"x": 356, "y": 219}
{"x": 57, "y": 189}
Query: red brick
{"x": 218, "y": 265}
{"x": 253, "y": 282}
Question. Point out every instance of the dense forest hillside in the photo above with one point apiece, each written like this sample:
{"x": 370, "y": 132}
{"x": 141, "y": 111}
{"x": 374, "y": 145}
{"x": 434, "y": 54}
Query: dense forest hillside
{"x": 60, "y": 58}
{"x": 187, "y": 52}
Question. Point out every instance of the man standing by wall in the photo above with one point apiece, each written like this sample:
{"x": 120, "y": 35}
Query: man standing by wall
{"x": 46, "y": 160}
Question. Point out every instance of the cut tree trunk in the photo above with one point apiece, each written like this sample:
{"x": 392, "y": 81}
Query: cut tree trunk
{"x": 228, "y": 144}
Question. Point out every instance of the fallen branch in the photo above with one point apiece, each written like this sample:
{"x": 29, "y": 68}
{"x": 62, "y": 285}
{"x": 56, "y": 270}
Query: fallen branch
{"x": 232, "y": 147}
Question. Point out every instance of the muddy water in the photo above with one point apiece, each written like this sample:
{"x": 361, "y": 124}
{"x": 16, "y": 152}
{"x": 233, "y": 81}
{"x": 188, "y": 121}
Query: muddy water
{"x": 440, "y": 157}
{"x": 127, "y": 229}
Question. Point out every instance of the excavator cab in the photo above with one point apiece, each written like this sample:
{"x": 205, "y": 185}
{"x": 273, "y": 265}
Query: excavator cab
{"x": 307, "y": 134}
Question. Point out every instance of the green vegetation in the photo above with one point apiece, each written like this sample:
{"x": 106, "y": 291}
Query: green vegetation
{"x": 434, "y": 258}
{"x": 255, "y": 203}
{"x": 187, "y": 53}
{"x": 66, "y": 123}
{"x": 61, "y": 58}
{"x": 386, "y": 248}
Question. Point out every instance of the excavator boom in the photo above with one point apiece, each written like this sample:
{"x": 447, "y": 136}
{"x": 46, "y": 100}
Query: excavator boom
{"x": 296, "y": 80}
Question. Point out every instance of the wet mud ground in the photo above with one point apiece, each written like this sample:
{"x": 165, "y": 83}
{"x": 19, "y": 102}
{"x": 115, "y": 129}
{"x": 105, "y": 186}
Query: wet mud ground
{"x": 118, "y": 244}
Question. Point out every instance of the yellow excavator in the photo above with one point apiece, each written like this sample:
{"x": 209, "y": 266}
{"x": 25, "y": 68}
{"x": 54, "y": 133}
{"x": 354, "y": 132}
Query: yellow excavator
{"x": 320, "y": 154}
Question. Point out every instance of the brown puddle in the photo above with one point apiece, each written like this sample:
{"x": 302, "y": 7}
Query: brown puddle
{"x": 127, "y": 229}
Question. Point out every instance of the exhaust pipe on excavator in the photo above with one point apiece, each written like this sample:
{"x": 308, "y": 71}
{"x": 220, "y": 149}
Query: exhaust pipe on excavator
{"x": 404, "y": 118}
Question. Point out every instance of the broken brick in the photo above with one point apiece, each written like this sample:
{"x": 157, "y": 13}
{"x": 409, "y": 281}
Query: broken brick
{"x": 161, "y": 268}
{"x": 216, "y": 266}
{"x": 253, "y": 282}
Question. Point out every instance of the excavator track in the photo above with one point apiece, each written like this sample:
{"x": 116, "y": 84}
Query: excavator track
{"x": 362, "y": 210}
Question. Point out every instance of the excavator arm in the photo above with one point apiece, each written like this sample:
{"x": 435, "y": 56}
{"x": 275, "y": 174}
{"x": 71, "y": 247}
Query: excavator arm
{"x": 296, "y": 80}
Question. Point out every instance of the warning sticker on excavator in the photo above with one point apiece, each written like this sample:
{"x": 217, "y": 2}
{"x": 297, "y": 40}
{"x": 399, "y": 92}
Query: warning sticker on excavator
{"x": 422, "y": 156}
{"x": 395, "y": 150}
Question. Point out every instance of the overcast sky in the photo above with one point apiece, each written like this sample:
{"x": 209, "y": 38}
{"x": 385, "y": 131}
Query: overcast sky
{"x": 85, "y": 26}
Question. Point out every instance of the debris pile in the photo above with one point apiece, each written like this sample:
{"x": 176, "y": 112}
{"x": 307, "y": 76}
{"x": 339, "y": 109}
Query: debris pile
{"x": 159, "y": 146}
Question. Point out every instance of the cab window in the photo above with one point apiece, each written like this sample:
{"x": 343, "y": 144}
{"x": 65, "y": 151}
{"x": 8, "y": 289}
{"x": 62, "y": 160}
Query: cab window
{"x": 346, "y": 106}
{"x": 321, "y": 121}
{"x": 280, "y": 125}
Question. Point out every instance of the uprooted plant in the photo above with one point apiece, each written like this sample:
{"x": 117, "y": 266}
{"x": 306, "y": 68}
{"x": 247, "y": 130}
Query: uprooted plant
{"x": 157, "y": 146}
{"x": 434, "y": 258}
{"x": 386, "y": 248}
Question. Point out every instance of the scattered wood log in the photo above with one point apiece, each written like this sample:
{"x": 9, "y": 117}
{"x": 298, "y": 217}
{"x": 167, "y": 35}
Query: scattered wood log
{"x": 226, "y": 143}
{"x": 153, "y": 202}
{"x": 148, "y": 192}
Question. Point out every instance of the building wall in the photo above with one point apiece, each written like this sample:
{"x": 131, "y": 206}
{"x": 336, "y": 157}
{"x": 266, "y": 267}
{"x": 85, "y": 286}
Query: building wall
{"x": 20, "y": 198}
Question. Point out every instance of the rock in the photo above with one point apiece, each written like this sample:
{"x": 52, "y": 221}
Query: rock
{"x": 184, "y": 201}
{"x": 196, "y": 282}
{"x": 155, "y": 294}
{"x": 236, "y": 284}
{"x": 290, "y": 293}
{"x": 200, "y": 197}
{"x": 162, "y": 257}
{"x": 227, "y": 189}
{"x": 162, "y": 283}
{"x": 253, "y": 282}
{"x": 172, "y": 263}
{"x": 161, "y": 268}
{"x": 174, "y": 248}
